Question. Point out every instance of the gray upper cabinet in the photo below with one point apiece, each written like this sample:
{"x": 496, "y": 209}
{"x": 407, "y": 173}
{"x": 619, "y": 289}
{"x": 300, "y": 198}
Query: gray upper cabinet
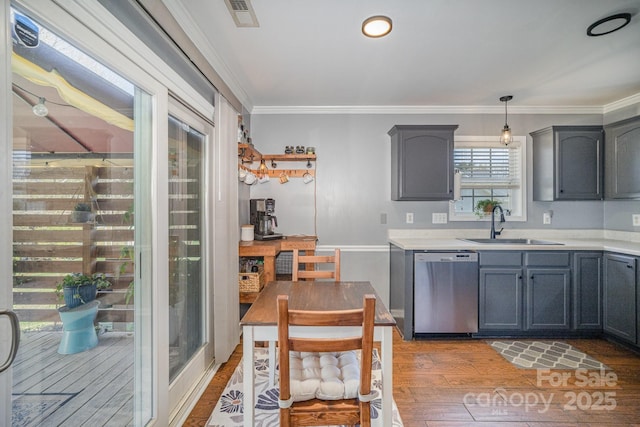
{"x": 622, "y": 157}
{"x": 568, "y": 163}
{"x": 422, "y": 162}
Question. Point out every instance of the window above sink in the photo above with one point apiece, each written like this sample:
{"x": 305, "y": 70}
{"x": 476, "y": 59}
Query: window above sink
{"x": 490, "y": 170}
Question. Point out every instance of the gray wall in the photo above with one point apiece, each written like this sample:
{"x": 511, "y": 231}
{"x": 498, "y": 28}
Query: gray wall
{"x": 353, "y": 183}
{"x": 352, "y": 190}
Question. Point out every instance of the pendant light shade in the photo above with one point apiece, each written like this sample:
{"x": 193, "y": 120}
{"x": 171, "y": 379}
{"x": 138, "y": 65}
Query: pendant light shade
{"x": 40, "y": 109}
{"x": 506, "y": 136}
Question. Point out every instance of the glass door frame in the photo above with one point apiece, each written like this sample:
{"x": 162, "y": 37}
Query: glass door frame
{"x": 147, "y": 366}
{"x": 182, "y": 386}
{"x": 6, "y": 206}
{"x": 90, "y": 27}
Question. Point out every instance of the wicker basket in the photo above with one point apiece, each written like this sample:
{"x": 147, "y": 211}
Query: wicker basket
{"x": 251, "y": 282}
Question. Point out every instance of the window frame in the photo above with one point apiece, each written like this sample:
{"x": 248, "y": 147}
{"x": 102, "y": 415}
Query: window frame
{"x": 491, "y": 140}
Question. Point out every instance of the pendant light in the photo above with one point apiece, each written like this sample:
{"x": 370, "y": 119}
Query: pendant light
{"x": 40, "y": 109}
{"x": 506, "y": 137}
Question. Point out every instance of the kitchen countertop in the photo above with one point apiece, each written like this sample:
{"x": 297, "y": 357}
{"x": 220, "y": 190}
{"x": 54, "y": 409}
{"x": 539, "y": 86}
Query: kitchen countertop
{"x": 572, "y": 240}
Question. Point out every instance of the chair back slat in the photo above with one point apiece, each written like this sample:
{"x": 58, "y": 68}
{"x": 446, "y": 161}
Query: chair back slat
{"x": 311, "y": 264}
{"x": 321, "y": 412}
{"x": 326, "y": 318}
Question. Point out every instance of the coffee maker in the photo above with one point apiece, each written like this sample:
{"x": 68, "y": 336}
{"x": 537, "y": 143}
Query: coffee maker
{"x": 263, "y": 220}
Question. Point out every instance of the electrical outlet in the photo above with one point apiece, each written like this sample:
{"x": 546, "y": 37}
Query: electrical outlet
{"x": 636, "y": 220}
{"x": 438, "y": 218}
{"x": 546, "y": 218}
{"x": 409, "y": 218}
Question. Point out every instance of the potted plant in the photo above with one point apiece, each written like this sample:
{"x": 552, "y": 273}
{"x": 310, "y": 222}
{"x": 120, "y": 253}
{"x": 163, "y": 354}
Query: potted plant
{"x": 82, "y": 213}
{"x": 76, "y": 288}
{"x": 485, "y": 207}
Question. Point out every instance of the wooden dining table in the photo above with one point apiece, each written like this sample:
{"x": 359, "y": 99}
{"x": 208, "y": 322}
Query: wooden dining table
{"x": 260, "y": 323}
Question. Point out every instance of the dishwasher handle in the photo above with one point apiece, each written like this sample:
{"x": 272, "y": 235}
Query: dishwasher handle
{"x": 446, "y": 257}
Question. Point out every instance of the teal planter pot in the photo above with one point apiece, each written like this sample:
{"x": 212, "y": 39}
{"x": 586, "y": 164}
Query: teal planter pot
{"x": 75, "y": 296}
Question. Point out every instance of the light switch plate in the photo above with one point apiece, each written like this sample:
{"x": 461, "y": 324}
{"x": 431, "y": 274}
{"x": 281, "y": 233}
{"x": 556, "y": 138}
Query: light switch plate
{"x": 438, "y": 218}
{"x": 409, "y": 217}
{"x": 636, "y": 220}
{"x": 546, "y": 218}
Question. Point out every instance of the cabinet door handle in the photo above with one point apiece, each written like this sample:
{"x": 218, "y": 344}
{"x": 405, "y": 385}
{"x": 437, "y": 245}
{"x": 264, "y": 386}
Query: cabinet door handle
{"x": 629, "y": 265}
{"x": 561, "y": 190}
{"x": 532, "y": 277}
{"x": 520, "y": 277}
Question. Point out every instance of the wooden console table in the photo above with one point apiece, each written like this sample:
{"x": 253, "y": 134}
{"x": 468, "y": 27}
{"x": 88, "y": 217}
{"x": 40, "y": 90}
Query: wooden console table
{"x": 269, "y": 250}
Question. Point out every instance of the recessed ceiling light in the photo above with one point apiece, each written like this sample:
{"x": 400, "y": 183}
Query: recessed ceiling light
{"x": 376, "y": 26}
{"x": 609, "y": 24}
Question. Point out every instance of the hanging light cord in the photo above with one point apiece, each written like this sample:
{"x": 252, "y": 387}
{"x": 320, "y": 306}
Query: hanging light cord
{"x": 505, "y": 113}
{"x": 41, "y": 97}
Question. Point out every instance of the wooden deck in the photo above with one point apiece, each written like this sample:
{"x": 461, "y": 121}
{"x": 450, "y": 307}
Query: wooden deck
{"x": 98, "y": 383}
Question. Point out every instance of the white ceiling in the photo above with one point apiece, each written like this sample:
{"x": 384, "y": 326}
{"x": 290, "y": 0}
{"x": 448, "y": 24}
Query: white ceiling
{"x": 446, "y": 53}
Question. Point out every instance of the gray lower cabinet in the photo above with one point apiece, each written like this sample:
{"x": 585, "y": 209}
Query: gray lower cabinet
{"x": 587, "y": 290}
{"x": 525, "y": 291}
{"x": 620, "y": 296}
{"x": 401, "y": 290}
{"x": 622, "y": 152}
{"x": 422, "y": 162}
{"x": 548, "y": 294}
{"x": 500, "y": 299}
{"x": 500, "y": 291}
{"x": 568, "y": 163}
{"x": 548, "y": 290}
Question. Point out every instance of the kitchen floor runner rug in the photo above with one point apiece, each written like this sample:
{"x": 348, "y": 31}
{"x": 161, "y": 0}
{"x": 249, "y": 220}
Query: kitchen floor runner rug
{"x": 545, "y": 355}
{"x": 228, "y": 412}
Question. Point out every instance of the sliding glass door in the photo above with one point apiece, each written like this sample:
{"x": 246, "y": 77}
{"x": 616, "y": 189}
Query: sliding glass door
{"x": 190, "y": 340}
{"x": 77, "y": 129}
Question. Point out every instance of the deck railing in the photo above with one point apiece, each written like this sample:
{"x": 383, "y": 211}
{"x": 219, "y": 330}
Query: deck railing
{"x": 47, "y": 245}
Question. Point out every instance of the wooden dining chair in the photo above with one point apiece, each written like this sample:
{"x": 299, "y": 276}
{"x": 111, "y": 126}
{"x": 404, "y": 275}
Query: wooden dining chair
{"x": 342, "y": 394}
{"x": 314, "y": 273}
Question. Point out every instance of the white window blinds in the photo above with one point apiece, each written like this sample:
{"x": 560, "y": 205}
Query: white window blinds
{"x": 488, "y": 165}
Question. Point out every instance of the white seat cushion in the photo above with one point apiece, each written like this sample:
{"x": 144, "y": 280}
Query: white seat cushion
{"x": 328, "y": 376}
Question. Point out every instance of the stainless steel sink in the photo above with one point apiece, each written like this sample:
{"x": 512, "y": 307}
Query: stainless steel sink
{"x": 512, "y": 241}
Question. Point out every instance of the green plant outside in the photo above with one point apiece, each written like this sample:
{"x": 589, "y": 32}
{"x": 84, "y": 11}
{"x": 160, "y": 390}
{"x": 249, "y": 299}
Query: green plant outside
{"x": 484, "y": 207}
{"x": 75, "y": 280}
{"x": 82, "y": 207}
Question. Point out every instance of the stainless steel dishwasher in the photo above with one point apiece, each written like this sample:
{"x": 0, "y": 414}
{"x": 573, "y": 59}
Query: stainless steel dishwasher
{"x": 445, "y": 292}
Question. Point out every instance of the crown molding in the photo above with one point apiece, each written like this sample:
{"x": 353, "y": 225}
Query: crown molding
{"x": 425, "y": 109}
{"x": 621, "y": 103}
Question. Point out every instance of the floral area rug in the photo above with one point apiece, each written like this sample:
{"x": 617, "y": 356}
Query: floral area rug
{"x": 31, "y": 409}
{"x": 229, "y": 410}
{"x": 545, "y": 355}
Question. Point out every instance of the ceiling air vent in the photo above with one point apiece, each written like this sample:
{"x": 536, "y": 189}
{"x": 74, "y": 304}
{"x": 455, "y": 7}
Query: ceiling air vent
{"x": 242, "y": 13}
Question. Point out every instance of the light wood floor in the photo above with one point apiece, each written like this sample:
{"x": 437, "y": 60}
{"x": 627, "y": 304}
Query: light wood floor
{"x": 466, "y": 383}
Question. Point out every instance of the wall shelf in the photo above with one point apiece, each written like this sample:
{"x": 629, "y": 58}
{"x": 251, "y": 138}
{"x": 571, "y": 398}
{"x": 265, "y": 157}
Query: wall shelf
{"x": 289, "y": 157}
{"x": 247, "y": 153}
